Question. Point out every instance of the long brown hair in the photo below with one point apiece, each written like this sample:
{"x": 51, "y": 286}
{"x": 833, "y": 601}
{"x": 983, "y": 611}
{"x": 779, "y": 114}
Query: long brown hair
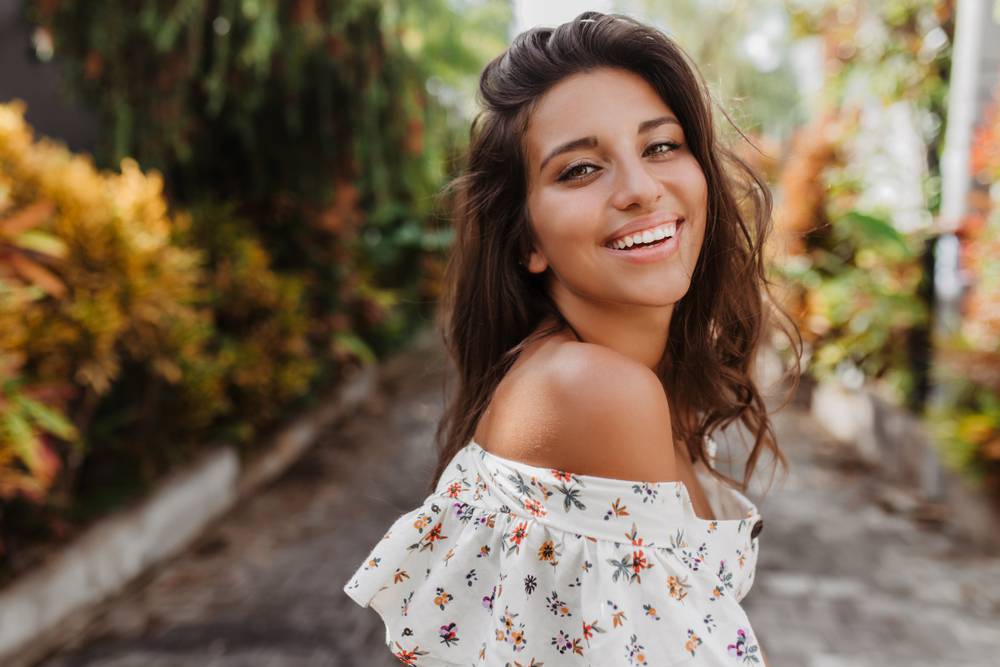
{"x": 491, "y": 304}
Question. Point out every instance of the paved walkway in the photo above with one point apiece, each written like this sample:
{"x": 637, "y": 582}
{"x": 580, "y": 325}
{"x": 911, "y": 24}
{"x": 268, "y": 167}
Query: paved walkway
{"x": 840, "y": 581}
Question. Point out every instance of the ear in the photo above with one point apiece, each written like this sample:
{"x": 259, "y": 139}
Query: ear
{"x": 537, "y": 262}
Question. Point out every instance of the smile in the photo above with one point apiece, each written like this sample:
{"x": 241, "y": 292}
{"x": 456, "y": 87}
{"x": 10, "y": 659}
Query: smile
{"x": 653, "y": 250}
{"x": 644, "y": 238}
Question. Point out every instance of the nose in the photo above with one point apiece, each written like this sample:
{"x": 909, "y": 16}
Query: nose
{"x": 635, "y": 186}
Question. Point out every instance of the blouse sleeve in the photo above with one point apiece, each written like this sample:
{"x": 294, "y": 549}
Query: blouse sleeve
{"x": 464, "y": 579}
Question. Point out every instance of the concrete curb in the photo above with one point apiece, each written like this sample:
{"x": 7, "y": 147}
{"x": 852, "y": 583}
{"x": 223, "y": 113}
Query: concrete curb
{"x": 40, "y": 609}
{"x": 895, "y": 442}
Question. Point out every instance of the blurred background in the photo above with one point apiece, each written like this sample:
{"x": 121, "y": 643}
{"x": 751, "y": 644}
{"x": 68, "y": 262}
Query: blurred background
{"x": 215, "y": 212}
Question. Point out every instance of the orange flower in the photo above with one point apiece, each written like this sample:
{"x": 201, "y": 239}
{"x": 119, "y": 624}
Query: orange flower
{"x": 618, "y": 509}
{"x": 535, "y": 507}
{"x": 562, "y": 475}
{"x": 639, "y": 561}
{"x": 435, "y": 534}
{"x": 676, "y": 588}
{"x": 442, "y": 598}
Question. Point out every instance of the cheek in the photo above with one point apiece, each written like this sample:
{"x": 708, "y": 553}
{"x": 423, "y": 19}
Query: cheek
{"x": 563, "y": 216}
{"x": 695, "y": 187}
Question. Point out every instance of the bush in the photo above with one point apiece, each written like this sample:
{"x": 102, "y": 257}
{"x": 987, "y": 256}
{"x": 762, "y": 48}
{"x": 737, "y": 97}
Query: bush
{"x": 108, "y": 290}
{"x": 313, "y": 119}
{"x": 130, "y": 337}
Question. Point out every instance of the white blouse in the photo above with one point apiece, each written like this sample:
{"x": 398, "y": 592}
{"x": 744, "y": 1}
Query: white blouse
{"x": 512, "y": 564}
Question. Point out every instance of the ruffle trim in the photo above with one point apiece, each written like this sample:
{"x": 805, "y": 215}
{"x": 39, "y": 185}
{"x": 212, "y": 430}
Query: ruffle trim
{"x": 457, "y": 584}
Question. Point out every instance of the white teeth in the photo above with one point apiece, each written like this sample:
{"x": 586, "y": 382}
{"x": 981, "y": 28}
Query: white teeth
{"x": 647, "y": 236}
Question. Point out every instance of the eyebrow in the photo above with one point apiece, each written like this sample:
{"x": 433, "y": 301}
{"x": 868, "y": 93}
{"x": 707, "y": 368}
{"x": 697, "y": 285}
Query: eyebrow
{"x": 591, "y": 142}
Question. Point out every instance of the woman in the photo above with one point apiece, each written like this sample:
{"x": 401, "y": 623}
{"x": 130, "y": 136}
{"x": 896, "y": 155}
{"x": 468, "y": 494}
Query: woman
{"x": 604, "y": 302}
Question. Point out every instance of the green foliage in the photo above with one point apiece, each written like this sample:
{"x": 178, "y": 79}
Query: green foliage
{"x": 313, "y": 118}
{"x": 967, "y": 414}
{"x": 28, "y": 464}
{"x": 98, "y": 289}
{"x": 892, "y": 50}
{"x": 261, "y": 324}
{"x": 307, "y": 141}
{"x": 965, "y": 426}
{"x": 861, "y": 278}
{"x": 861, "y": 281}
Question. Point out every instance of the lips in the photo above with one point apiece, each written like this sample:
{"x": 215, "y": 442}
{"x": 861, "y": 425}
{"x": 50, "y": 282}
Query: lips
{"x": 645, "y": 222}
{"x": 657, "y": 252}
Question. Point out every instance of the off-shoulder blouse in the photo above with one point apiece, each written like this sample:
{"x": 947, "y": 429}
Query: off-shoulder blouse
{"x": 509, "y": 564}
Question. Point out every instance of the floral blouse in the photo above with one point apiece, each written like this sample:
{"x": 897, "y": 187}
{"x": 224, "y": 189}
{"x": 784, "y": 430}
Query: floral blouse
{"x": 508, "y": 564}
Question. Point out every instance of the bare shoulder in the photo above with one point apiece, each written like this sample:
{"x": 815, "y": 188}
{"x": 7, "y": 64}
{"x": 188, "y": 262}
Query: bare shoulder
{"x": 588, "y": 409}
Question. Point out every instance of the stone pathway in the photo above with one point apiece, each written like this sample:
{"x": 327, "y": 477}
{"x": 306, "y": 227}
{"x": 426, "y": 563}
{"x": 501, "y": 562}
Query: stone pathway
{"x": 843, "y": 582}
{"x": 840, "y": 581}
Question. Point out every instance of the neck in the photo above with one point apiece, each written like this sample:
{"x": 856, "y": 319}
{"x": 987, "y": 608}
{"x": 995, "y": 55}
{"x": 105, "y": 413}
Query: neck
{"x": 638, "y": 332}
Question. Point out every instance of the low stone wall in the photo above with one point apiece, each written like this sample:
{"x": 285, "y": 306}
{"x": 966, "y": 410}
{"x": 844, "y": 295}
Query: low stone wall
{"x": 45, "y": 605}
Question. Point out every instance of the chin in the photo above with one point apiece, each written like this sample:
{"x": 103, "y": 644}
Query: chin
{"x": 661, "y": 299}
{"x": 660, "y": 293}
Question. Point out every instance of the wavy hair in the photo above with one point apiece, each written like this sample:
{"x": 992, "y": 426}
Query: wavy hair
{"x": 491, "y": 304}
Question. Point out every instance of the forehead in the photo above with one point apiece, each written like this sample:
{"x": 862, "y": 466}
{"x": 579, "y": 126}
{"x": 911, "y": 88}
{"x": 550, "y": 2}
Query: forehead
{"x": 595, "y": 103}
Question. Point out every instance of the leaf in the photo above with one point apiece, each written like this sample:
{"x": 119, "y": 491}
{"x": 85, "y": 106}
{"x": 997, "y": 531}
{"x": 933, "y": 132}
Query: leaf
{"x": 26, "y": 218}
{"x": 621, "y": 567}
{"x": 41, "y": 242}
{"x": 570, "y": 497}
{"x": 874, "y": 230}
{"x": 344, "y": 341}
{"x": 47, "y": 418}
{"x": 21, "y": 438}
{"x": 36, "y": 274}
{"x": 975, "y": 428}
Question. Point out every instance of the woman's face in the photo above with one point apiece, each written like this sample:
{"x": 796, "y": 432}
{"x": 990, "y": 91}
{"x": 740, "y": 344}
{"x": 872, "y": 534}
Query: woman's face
{"x": 607, "y": 158}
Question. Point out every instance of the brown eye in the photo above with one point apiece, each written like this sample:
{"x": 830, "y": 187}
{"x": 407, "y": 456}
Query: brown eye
{"x": 576, "y": 172}
{"x": 662, "y": 148}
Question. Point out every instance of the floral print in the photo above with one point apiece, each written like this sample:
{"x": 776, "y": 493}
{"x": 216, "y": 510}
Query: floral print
{"x": 743, "y": 648}
{"x": 509, "y": 564}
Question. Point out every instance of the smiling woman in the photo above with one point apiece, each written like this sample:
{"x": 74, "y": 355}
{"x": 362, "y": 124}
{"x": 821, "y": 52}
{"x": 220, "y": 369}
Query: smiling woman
{"x": 605, "y": 299}
{"x": 631, "y": 180}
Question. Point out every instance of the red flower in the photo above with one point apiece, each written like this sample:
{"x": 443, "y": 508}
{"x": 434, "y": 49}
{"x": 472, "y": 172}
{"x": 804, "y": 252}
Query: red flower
{"x": 435, "y": 534}
{"x": 519, "y": 533}
{"x": 639, "y": 561}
